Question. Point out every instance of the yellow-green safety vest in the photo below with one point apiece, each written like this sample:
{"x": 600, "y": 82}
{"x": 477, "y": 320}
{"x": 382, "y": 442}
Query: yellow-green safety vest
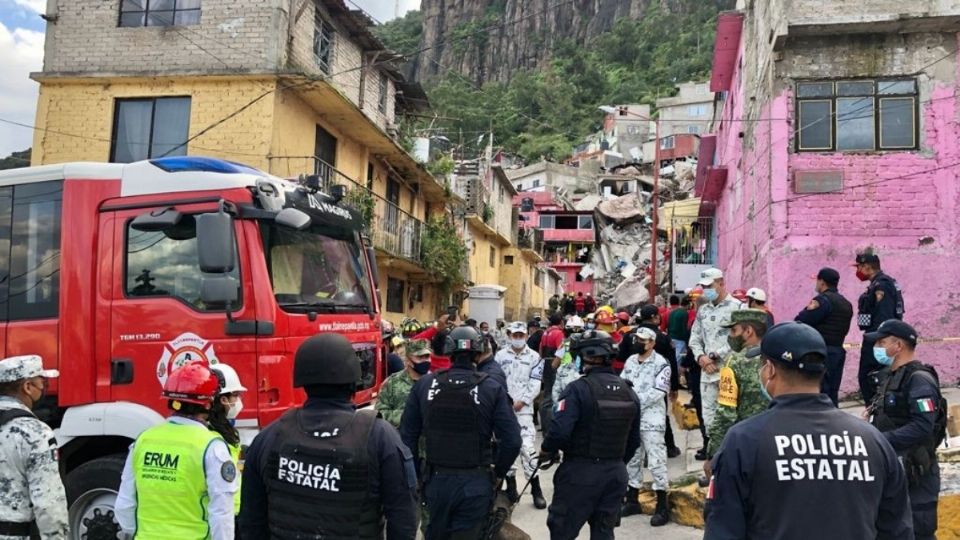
{"x": 235, "y": 454}
{"x": 171, "y": 482}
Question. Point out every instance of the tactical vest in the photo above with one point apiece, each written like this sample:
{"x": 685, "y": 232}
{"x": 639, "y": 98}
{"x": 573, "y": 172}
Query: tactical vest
{"x": 894, "y": 406}
{"x": 614, "y": 413}
{"x": 453, "y": 424}
{"x": 171, "y": 482}
{"x": 318, "y": 482}
{"x": 835, "y": 326}
{"x": 868, "y": 302}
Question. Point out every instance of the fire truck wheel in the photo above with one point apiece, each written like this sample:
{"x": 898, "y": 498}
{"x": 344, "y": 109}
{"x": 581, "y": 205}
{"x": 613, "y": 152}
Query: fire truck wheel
{"x": 91, "y": 492}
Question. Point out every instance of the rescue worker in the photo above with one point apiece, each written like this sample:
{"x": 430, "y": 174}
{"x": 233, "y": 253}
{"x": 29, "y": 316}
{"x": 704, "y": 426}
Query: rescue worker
{"x": 597, "y": 427}
{"x": 179, "y": 480}
{"x": 757, "y": 299}
{"x": 395, "y": 390}
{"x": 804, "y": 469}
{"x": 708, "y": 341}
{"x": 580, "y": 305}
{"x": 590, "y": 304}
{"x": 911, "y": 413}
{"x": 32, "y": 498}
{"x": 500, "y": 334}
{"x": 459, "y": 411}
{"x": 390, "y": 339}
{"x": 649, "y": 317}
{"x": 740, "y": 395}
{"x": 325, "y": 469}
{"x": 524, "y": 370}
{"x": 226, "y": 406}
{"x": 649, "y": 374}
{"x": 830, "y": 314}
{"x": 881, "y": 302}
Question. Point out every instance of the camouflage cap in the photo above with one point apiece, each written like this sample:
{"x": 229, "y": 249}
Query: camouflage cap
{"x": 417, "y": 347}
{"x": 24, "y": 367}
{"x": 747, "y": 315}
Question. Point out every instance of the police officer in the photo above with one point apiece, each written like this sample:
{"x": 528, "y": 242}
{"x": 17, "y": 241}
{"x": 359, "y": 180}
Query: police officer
{"x": 881, "y": 301}
{"x": 324, "y": 469}
{"x": 910, "y": 412}
{"x": 179, "y": 480}
{"x": 830, "y": 314}
{"x": 459, "y": 411}
{"x": 597, "y": 427}
{"x": 803, "y": 468}
{"x": 32, "y": 497}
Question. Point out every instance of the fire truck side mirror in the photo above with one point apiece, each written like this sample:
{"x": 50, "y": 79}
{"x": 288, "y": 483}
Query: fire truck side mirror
{"x": 220, "y": 290}
{"x": 215, "y": 244}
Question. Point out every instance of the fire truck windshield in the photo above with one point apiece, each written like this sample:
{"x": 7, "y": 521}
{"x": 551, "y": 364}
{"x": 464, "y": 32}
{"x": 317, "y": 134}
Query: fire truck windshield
{"x": 317, "y": 269}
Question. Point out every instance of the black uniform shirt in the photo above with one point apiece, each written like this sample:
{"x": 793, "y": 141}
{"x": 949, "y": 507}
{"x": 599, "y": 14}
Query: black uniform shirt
{"x": 880, "y": 299}
{"x": 493, "y": 371}
{"x": 804, "y": 469}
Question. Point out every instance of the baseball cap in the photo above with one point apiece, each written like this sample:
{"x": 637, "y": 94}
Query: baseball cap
{"x": 865, "y": 258}
{"x": 16, "y": 368}
{"x": 788, "y": 342}
{"x": 648, "y": 312}
{"x": 418, "y": 347}
{"x": 646, "y": 333}
{"x": 757, "y": 294}
{"x": 532, "y": 323}
{"x": 747, "y": 315}
{"x": 708, "y": 276}
{"x": 517, "y": 327}
{"x": 829, "y": 275}
{"x": 895, "y": 328}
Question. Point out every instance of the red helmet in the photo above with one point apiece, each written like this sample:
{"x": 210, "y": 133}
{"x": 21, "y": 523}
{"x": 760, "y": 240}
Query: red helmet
{"x": 740, "y": 294}
{"x": 623, "y": 316}
{"x": 192, "y": 383}
{"x": 696, "y": 292}
{"x": 605, "y": 317}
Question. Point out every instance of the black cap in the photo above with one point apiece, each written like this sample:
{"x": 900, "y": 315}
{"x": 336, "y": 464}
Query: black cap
{"x": 829, "y": 276}
{"x": 648, "y": 312}
{"x": 788, "y": 342}
{"x": 555, "y": 319}
{"x": 868, "y": 258}
{"x": 325, "y": 359}
{"x": 895, "y": 328}
{"x": 533, "y": 323}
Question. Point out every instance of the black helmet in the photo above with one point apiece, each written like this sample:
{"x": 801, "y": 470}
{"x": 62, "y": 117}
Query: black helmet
{"x": 789, "y": 342}
{"x": 463, "y": 339}
{"x": 325, "y": 359}
{"x": 574, "y": 346}
{"x": 596, "y": 343}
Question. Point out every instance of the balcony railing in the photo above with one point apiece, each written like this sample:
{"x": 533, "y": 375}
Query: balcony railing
{"x": 390, "y": 228}
{"x": 531, "y": 239}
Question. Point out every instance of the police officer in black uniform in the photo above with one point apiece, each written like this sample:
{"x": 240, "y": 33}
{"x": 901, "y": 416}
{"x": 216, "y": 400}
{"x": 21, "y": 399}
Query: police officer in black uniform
{"x": 326, "y": 470}
{"x": 911, "y": 413}
{"x": 881, "y": 301}
{"x": 459, "y": 411}
{"x": 830, "y": 314}
{"x": 803, "y": 468}
{"x": 596, "y": 426}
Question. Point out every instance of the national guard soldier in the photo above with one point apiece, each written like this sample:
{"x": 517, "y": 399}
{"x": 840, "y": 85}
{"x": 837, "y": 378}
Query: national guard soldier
{"x": 524, "y": 370}
{"x": 395, "y": 390}
{"x": 32, "y": 497}
{"x": 830, "y": 314}
{"x": 881, "y": 301}
{"x": 596, "y": 426}
{"x": 911, "y": 413}
{"x": 649, "y": 373}
{"x": 459, "y": 411}
{"x": 179, "y": 480}
{"x": 803, "y": 468}
{"x": 325, "y": 470}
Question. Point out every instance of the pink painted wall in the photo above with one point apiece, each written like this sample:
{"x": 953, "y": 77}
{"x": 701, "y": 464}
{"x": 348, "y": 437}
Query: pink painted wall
{"x": 569, "y": 274}
{"x": 773, "y": 238}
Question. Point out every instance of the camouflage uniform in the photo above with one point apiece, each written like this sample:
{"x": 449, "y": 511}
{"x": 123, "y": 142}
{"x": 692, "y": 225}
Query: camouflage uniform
{"x": 524, "y": 371}
{"x": 650, "y": 379}
{"x": 29, "y": 468}
{"x": 739, "y": 398}
{"x": 566, "y": 374}
{"x": 709, "y": 335}
{"x": 393, "y": 397}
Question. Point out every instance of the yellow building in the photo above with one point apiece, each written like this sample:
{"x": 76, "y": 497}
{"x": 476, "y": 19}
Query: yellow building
{"x": 304, "y": 90}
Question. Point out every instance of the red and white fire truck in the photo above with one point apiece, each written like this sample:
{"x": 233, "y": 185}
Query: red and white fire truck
{"x": 118, "y": 273}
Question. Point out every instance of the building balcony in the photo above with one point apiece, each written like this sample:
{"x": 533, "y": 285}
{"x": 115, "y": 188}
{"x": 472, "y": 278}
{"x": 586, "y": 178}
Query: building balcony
{"x": 569, "y": 235}
{"x": 530, "y": 242}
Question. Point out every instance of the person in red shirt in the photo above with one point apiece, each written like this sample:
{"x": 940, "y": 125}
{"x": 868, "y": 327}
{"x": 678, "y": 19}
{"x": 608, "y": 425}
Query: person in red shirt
{"x": 580, "y": 304}
{"x": 590, "y": 304}
{"x": 437, "y": 336}
{"x": 552, "y": 340}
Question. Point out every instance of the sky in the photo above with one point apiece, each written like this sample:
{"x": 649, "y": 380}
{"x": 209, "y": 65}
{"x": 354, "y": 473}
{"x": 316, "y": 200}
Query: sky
{"x": 21, "y": 39}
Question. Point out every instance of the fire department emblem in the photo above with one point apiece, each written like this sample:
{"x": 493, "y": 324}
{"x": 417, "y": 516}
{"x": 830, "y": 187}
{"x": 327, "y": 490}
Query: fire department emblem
{"x": 184, "y": 349}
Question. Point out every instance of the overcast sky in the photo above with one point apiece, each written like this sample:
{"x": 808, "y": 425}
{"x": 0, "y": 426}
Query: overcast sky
{"x": 21, "y": 40}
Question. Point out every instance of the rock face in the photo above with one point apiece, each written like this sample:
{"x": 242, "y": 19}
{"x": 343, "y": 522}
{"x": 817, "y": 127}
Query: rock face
{"x": 524, "y": 33}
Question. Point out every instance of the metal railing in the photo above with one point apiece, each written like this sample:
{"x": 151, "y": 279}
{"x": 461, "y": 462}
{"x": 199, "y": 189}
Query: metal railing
{"x": 390, "y": 228}
{"x": 692, "y": 240}
{"x": 531, "y": 239}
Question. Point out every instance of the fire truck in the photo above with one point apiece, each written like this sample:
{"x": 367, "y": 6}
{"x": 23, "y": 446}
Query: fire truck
{"x": 119, "y": 273}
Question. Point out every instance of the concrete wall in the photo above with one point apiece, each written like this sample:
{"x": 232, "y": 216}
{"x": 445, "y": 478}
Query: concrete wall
{"x": 692, "y": 107}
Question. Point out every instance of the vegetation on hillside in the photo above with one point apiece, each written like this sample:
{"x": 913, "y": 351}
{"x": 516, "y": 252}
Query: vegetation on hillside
{"x": 547, "y": 112}
{"x": 16, "y": 160}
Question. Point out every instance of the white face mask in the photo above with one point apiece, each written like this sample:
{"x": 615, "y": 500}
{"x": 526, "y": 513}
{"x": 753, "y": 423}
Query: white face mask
{"x": 235, "y": 409}
{"x": 518, "y": 343}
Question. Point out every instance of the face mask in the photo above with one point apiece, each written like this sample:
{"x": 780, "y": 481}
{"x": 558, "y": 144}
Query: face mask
{"x": 763, "y": 387}
{"x": 861, "y": 276}
{"x": 518, "y": 343}
{"x": 421, "y": 368}
{"x": 736, "y": 343}
{"x": 484, "y": 332}
{"x": 591, "y": 326}
{"x": 710, "y": 294}
{"x": 235, "y": 409}
{"x": 576, "y": 362}
{"x": 43, "y": 390}
{"x": 880, "y": 354}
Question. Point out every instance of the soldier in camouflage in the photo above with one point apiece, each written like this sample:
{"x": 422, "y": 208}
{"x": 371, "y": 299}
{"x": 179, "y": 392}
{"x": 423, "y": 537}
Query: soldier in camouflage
{"x": 394, "y": 391}
{"x": 740, "y": 395}
{"x": 649, "y": 375}
{"x": 32, "y": 495}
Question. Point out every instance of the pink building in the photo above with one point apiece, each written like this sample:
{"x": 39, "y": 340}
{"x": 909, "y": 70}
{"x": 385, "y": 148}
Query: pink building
{"x": 836, "y": 130}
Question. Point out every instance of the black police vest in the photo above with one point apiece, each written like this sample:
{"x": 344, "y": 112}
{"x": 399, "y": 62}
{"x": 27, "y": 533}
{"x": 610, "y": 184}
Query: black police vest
{"x": 835, "y": 326}
{"x": 318, "y": 482}
{"x": 894, "y": 407}
{"x": 614, "y": 412}
{"x": 868, "y": 302}
{"x": 453, "y": 423}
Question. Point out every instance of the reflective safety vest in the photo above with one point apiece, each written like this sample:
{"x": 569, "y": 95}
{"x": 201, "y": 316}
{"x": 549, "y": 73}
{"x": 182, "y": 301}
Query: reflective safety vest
{"x": 171, "y": 482}
{"x": 235, "y": 454}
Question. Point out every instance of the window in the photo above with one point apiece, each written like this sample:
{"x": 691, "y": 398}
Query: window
{"x": 508, "y": 259}
{"x": 395, "y": 295}
{"x": 31, "y": 236}
{"x": 861, "y": 115}
{"x": 585, "y": 222}
{"x": 493, "y": 256}
{"x": 150, "y": 128}
{"x": 696, "y": 110}
{"x": 322, "y": 42}
{"x": 165, "y": 263}
{"x": 536, "y": 183}
{"x": 666, "y": 143}
{"x": 547, "y": 222}
{"x": 693, "y": 130}
{"x": 382, "y": 102}
{"x": 159, "y": 12}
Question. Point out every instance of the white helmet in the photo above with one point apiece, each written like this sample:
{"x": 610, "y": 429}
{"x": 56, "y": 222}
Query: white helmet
{"x": 757, "y": 294}
{"x": 575, "y": 322}
{"x": 517, "y": 327}
{"x": 230, "y": 381}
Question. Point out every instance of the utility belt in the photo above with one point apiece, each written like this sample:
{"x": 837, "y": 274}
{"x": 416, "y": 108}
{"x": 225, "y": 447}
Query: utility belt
{"x": 16, "y": 528}
{"x": 918, "y": 463}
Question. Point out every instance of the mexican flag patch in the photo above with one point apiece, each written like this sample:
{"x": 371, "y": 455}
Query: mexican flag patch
{"x": 562, "y": 405}
{"x": 926, "y": 405}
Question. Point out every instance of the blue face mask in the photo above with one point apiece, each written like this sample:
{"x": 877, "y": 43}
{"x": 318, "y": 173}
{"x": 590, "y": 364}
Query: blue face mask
{"x": 710, "y": 294}
{"x": 880, "y": 354}
{"x": 576, "y": 363}
{"x": 763, "y": 386}
{"x": 591, "y": 326}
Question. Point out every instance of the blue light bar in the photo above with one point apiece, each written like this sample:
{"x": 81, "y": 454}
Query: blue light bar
{"x": 202, "y": 164}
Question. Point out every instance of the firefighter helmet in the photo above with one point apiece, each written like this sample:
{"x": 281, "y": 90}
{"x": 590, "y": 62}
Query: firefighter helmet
{"x": 191, "y": 383}
{"x": 227, "y": 378}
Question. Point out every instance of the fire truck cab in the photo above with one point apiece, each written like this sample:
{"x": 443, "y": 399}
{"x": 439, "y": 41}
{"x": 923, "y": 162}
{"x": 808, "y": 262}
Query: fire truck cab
{"x": 119, "y": 273}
